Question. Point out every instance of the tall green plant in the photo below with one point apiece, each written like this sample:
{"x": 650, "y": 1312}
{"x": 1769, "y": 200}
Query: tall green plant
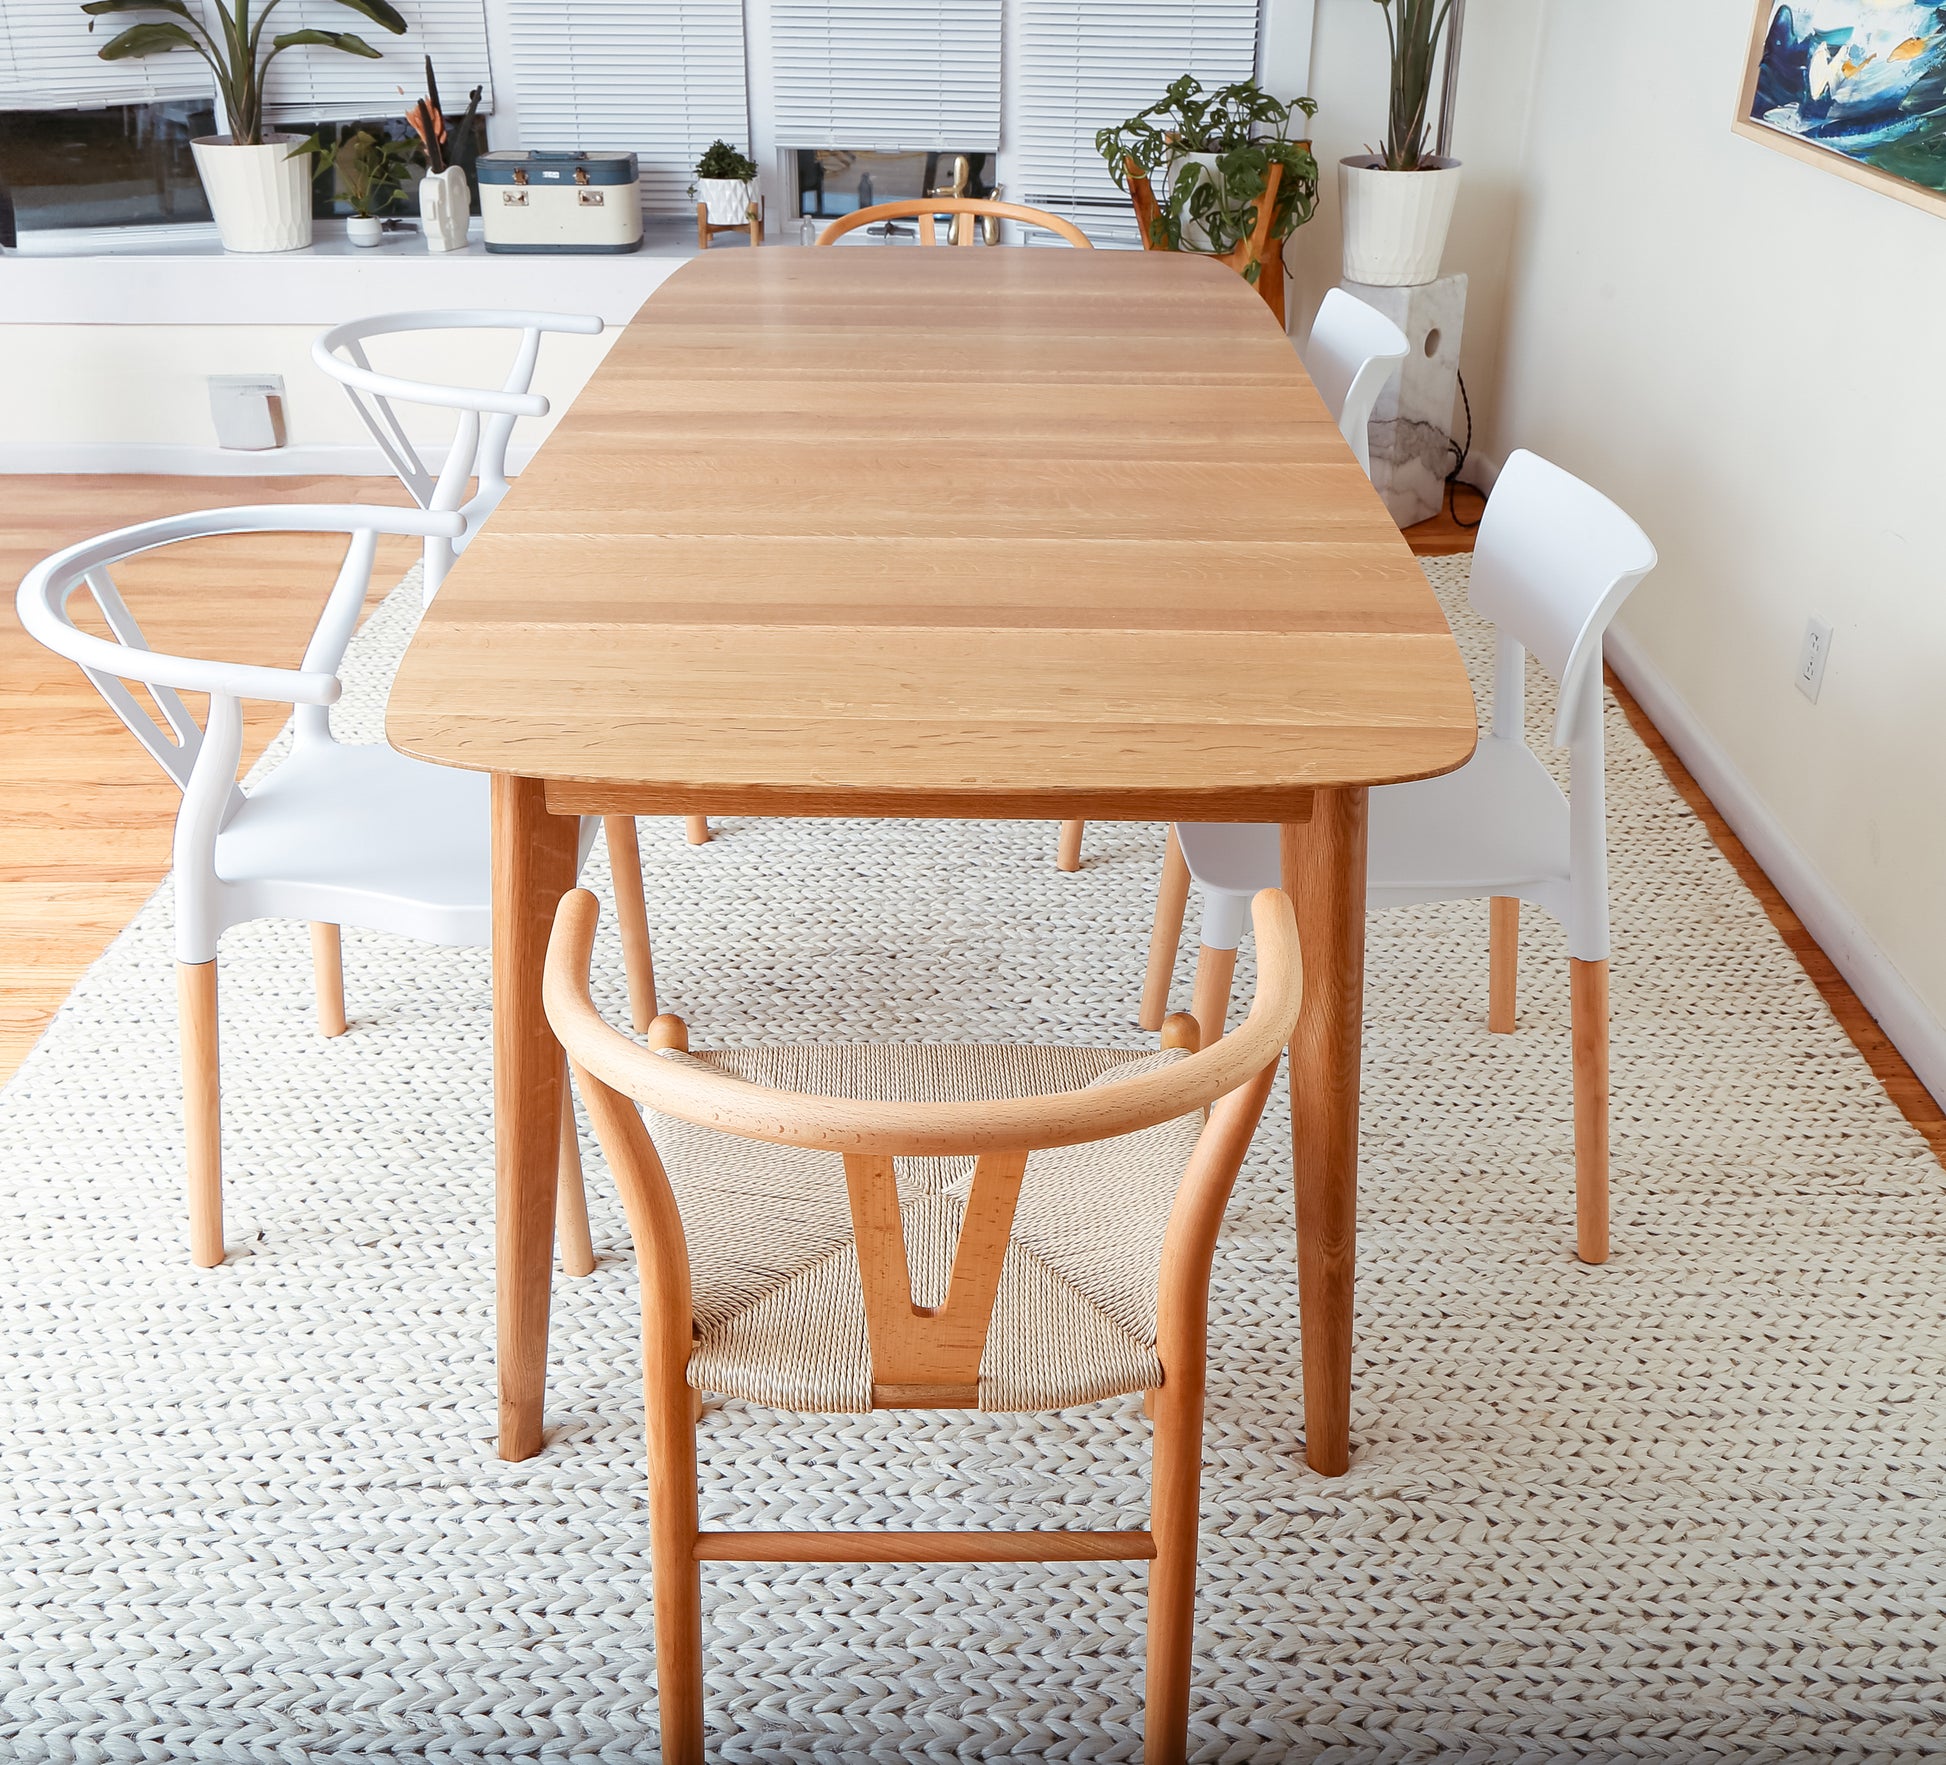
{"x": 1414, "y": 28}
{"x": 1247, "y": 131}
{"x": 235, "y": 49}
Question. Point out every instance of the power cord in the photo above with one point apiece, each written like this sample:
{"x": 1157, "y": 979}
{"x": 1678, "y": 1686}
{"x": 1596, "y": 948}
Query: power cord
{"x": 1454, "y": 482}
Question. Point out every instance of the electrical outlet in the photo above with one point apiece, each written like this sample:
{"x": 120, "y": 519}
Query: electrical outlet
{"x": 1810, "y": 659}
{"x": 248, "y": 410}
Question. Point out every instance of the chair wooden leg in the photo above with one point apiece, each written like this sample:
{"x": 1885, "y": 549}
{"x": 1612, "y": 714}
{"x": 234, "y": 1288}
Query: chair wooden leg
{"x": 1067, "y": 855}
{"x": 1210, "y": 1004}
{"x": 1171, "y": 902}
{"x": 571, "y": 1198}
{"x": 202, "y": 1111}
{"x": 328, "y": 976}
{"x": 1589, "y": 985}
{"x": 672, "y": 1406}
{"x": 632, "y": 910}
{"x": 1178, "y": 1410}
{"x": 696, "y": 828}
{"x": 1503, "y": 959}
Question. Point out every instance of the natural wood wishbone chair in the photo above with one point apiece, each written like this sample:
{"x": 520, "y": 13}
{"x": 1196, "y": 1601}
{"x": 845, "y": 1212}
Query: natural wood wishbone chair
{"x": 1051, "y": 1245}
{"x": 923, "y": 208}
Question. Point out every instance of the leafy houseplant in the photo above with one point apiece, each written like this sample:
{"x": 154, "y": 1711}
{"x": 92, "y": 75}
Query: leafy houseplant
{"x": 723, "y": 179}
{"x": 371, "y": 172}
{"x": 258, "y": 183}
{"x": 1215, "y": 150}
{"x": 1399, "y": 200}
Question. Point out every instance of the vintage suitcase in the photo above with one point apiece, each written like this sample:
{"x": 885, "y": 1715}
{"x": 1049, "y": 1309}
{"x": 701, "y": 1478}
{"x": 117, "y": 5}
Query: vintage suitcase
{"x": 533, "y": 201}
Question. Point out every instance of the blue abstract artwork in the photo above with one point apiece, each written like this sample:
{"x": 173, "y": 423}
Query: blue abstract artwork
{"x": 1862, "y": 78}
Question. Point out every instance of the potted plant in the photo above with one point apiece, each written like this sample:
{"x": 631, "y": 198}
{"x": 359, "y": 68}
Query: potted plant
{"x": 1215, "y": 150}
{"x": 1398, "y": 202}
{"x": 445, "y": 194}
{"x": 372, "y": 170}
{"x": 258, "y": 181}
{"x": 723, "y": 180}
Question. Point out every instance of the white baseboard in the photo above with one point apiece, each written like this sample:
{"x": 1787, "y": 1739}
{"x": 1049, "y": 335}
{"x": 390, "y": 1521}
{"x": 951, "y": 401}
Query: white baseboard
{"x": 1881, "y": 988}
{"x": 170, "y": 459}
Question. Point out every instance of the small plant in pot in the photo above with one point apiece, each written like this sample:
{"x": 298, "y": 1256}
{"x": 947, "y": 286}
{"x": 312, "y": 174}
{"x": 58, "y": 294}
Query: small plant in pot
{"x": 1398, "y": 202}
{"x": 372, "y": 170}
{"x": 1214, "y": 151}
{"x": 258, "y": 181}
{"x": 723, "y": 180}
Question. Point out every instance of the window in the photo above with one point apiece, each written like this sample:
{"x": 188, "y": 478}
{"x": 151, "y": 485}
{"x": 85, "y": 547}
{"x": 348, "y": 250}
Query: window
{"x": 887, "y": 75}
{"x": 1084, "y": 65}
{"x": 310, "y": 84}
{"x": 659, "y": 80}
{"x": 126, "y": 166}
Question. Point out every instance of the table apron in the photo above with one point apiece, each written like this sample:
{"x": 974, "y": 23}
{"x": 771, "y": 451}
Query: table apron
{"x": 580, "y": 797}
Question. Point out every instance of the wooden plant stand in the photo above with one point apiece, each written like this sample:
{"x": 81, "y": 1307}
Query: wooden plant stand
{"x": 1259, "y": 249}
{"x": 707, "y": 230}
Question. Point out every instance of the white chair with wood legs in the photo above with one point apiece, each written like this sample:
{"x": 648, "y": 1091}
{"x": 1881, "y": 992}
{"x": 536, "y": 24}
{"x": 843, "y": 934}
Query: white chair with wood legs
{"x": 1554, "y": 563}
{"x": 1048, "y": 1243}
{"x": 1352, "y": 356}
{"x": 478, "y": 450}
{"x": 335, "y": 835}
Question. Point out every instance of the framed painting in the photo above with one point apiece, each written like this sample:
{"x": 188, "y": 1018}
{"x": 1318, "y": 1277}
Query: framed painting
{"x": 1856, "y": 86}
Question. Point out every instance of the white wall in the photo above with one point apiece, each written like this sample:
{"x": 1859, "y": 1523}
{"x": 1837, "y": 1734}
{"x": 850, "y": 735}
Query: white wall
{"x": 1746, "y": 352}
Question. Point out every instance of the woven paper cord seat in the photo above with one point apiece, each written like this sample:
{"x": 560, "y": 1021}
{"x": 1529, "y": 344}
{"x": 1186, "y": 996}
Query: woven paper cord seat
{"x": 780, "y": 1312}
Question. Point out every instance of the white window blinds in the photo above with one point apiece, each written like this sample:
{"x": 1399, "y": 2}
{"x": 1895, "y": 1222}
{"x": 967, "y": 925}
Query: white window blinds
{"x": 1084, "y": 65}
{"x": 48, "y": 61}
{"x": 312, "y": 84}
{"x": 886, "y": 74}
{"x": 659, "y": 78}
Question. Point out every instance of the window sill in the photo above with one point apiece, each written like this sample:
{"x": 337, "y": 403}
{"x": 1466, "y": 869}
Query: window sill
{"x": 182, "y": 276}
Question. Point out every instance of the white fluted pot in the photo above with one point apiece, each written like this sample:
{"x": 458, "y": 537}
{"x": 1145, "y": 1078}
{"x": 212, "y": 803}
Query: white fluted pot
{"x": 1396, "y": 222}
{"x": 726, "y": 201}
{"x": 260, "y": 197}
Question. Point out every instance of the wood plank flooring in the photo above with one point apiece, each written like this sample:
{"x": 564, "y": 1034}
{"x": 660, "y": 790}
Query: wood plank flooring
{"x": 85, "y": 815}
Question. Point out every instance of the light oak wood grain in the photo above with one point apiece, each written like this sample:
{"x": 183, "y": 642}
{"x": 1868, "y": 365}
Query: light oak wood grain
{"x": 817, "y": 553}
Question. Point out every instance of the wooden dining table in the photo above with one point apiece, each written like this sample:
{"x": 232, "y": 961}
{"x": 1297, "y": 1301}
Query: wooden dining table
{"x": 995, "y": 534}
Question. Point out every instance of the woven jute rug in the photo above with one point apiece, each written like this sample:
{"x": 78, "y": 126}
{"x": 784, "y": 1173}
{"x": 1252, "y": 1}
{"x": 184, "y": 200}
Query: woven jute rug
{"x": 1690, "y": 1505}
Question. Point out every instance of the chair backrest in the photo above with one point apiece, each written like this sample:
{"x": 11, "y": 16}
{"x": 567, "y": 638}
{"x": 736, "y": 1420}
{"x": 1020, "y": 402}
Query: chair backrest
{"x": 1353, "y": 352}
{"x": 487, "y": 414}
{"x": 923, "y": 208}
{"x": 1552, "y": 565}
{"x": 203, "y": 760}
{"x": 936, "y": 1351}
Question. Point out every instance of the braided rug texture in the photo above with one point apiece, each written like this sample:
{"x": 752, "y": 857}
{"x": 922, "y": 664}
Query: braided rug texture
{"x": 1691, "y": 1505}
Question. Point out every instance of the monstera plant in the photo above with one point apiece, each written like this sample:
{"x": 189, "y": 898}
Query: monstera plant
{"x": 259, "y": 188}
{"x": 1214, "y": 150}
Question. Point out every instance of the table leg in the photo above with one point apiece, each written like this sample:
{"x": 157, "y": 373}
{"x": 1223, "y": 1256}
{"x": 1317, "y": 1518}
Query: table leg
{"x": 533, "y": 867}
{"x": 1324, "y": 874}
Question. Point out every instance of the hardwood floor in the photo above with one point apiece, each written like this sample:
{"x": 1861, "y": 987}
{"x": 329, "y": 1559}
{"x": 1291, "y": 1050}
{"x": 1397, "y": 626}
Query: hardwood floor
{"x": 85, "y": 815}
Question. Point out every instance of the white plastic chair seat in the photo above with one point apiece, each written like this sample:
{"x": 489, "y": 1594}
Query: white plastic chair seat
{"x": 1497, "y": 826}
{"x": 364, "y": 836}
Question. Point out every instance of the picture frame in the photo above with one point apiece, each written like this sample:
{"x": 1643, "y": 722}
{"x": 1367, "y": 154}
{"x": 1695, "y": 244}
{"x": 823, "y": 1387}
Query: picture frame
{"x": 1782, "y": 31}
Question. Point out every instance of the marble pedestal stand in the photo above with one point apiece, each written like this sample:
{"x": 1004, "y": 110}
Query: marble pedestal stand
{"x": 1412, "y": 424}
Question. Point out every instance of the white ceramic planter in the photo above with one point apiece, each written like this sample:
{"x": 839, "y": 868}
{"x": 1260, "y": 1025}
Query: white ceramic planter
{"x": 260, "y": 196}
{"x": 726, "y": 201}
{"x": 1195, "y": 236}
{"x": 1395, "y": 222}
{"x": 364, "y": 229}
{"x": 445, "y": 206}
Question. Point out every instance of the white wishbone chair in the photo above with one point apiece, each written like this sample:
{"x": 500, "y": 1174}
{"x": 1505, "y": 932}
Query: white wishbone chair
{"x": 481, "y": 434}
{"x": 1353, "y": 353}
{"x": 1047, "y": 1243}
{"x": 1554, "y": 563}
{"x": 336, "y": 835}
